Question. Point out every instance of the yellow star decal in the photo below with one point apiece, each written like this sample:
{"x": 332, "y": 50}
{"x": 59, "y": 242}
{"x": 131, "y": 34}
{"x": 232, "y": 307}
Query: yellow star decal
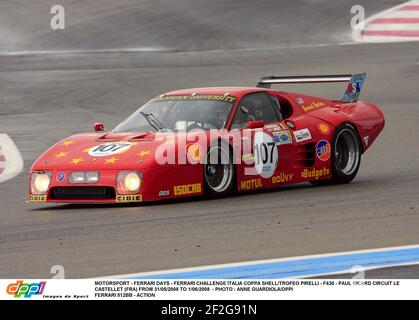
{"x": 86, "y": 150}
{"x": 111, "y": 160}
{"x": 144, "y": 153}
{"x": 61, "y": 155}
{"x": 67, "y": 143}
{"x": 76, "y": 161}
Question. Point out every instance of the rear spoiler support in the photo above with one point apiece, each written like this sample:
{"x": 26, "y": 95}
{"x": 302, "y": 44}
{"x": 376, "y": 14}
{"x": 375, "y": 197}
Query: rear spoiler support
{"x": 352, "y": 92}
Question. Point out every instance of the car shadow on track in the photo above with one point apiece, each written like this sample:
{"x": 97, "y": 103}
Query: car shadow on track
{"x": 168, "y": 202}
{"x": 235, "y": 195}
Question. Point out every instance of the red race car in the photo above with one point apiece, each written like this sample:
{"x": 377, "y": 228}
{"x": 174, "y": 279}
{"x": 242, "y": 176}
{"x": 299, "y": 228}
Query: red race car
{"x": 213, "y": 141}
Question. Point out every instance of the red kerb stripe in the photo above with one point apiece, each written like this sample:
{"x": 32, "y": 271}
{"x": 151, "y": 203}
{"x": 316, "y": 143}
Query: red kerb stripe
{"x": 395, "y": 20}
{"x": 409, "y": 8}
{"x": 2, "y": 158}
{"x": 388, "y": 33}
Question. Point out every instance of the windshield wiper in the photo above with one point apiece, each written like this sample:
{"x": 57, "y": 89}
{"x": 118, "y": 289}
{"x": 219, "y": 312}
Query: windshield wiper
{"x": 153, "y": 121}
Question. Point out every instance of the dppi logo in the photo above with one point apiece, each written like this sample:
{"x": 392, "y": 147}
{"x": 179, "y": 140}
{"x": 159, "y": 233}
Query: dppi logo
{"x": 27, "y": 290}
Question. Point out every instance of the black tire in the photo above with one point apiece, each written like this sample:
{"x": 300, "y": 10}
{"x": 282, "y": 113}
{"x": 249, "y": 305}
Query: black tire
{"x": 346, "y": 155}
{"x": 219, "y": 175}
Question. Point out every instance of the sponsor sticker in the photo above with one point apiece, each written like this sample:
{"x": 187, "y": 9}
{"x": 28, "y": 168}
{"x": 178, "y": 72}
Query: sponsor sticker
{"x": 251, "y": 184}
{"x": 187, "y": 189}
{"x": 226, "y": 98}
{"x": 129, "y": 198}
{"x": 109, "y": 149}
{"x": 302, "y": 135}
{"x": 164, "y": 193}
{"x": 282, "y": 178}
{"x": 273, "y": 127}
{"x": 37, "y": 198}
{"x": 282, "y": 137}
{"x": 315, "y": 174}
{"x": 324, "y": 128}
{"x": 323, "y": 150}
{"x": 265, "y": 154}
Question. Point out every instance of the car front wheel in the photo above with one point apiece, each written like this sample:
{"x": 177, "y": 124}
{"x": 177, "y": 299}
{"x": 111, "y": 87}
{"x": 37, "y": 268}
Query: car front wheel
{"x": 219, "y": 170}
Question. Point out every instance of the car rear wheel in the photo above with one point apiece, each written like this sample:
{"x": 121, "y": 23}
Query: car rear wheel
{"x": 219, "y": 170}
{"x": 346, "y": 155}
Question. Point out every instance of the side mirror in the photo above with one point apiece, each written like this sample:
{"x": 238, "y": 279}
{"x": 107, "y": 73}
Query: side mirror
{"x": 256, "y": 124}
{"x": 98, "y": 127}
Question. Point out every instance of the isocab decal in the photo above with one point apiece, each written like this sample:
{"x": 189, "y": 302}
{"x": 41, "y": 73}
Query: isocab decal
{"x": 323, "y": 150}
{"x": 265, "y": 155}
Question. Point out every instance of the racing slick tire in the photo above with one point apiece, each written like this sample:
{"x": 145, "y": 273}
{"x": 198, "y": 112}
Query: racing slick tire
{"x": 346, "y": 155}
{"x": 219, "y": 170}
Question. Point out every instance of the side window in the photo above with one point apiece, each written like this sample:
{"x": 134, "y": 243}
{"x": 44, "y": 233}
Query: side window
{"x": 256, "y": 106}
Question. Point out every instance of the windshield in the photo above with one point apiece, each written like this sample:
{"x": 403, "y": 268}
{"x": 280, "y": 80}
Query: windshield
{"x": 180, "y": 113}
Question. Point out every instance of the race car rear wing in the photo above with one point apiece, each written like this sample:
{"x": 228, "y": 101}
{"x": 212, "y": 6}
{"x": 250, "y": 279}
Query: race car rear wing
{"x": 352, "y": 92}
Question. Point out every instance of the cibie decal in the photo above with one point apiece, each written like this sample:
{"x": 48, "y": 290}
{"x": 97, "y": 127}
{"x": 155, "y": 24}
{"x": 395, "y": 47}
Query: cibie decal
{"x": 265, "y": 155}
{"x": 282, "y": 137}
{"x": 27, "y": 290}
{"x": 324, "y": 128}
{"x": 129, "y": 198}
{"x": 109, "y": 149}
{"x": 282, "y": 178}
{"x": 323, "y": 150}
{"x": 302, "y": 135}
{"x": 37, "y": 198}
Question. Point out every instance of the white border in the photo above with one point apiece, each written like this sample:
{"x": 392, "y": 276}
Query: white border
{"x": 251, "y": 263}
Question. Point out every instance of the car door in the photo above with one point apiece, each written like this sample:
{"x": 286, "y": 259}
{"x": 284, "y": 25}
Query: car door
{"x": 267, "y": 148}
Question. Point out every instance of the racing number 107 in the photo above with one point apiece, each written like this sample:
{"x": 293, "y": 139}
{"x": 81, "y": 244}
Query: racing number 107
{"x": 264, "y": 152}
{"x": 109, "y": 148}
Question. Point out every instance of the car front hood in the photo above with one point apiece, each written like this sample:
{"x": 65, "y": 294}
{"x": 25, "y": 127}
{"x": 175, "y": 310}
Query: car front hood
{"x": 103, "y": 151}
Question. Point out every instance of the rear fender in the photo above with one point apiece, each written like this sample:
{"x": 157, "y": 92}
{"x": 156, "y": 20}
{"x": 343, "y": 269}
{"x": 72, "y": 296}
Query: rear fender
{"x": 367, "y": 118}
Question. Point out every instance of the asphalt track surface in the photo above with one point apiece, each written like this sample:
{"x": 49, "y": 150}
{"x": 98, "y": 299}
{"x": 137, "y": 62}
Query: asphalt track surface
{"x": 115, "y": 56}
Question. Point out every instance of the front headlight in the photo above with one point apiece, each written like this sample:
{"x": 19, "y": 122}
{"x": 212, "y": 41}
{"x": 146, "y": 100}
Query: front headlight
{"x": 40, "y": 182}
{"x": 132, "y": 182}
{"x": 129, "y": 182}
